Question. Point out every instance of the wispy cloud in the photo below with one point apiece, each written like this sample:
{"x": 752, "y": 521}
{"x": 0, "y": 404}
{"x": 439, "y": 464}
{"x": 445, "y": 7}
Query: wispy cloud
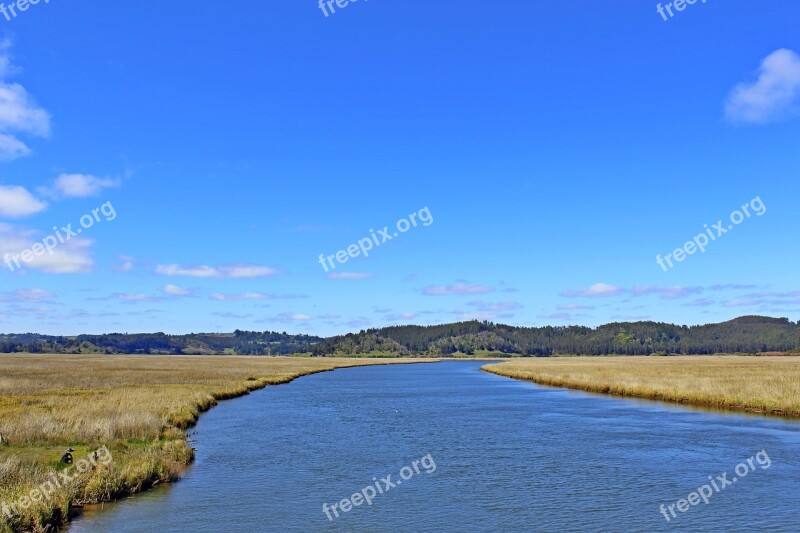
{"x": 634, "y": 318}
{"x": 773, "y": 96}
{"x": 601, "y": 290}
{"x": 126, "y": 264}
{"x": 397, "y": 317}
{"x": 496, "y": 307}
{"x": 350, "y": 276}
{"x": 231, "y": 315}
{"x": 461, "y": 289}
{"x": 205, "y": 271}
{"x": 220, "y": 297}
{"x": 766, "y": 300}
{"x": 604, "y": 290}
{"x": 174, "y": 290}
{"x": 236, "y": 297}
{"x": 358, "y": 323}
{"x": 700, "y": 302}
{"x": 557, "y": 316}
{"x": 666, "y": 293}
{"x": 79, "y": 186}
{"x": 248, "y": 271}
{"x": 134, "y": 297}
{"x": 27, "y": 295}
{"x": 731, "y": 286}
{"x": 285, "y": 318}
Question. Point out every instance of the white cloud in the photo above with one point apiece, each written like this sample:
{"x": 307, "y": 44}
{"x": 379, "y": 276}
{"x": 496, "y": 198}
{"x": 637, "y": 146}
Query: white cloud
{"x": 71, "y": 257}
{"x": 174, "y": 290}
{"x": 350, "y": 275}
{"x": 254, "y": 296}
{"x": 235, "y": 297}
{"x": 194, "y": 272}
{"x": 80, "y": 185}
{"x": 248, "y": 271}
{"x": 596, "y": 290}
{"x": 601, "y": 290}
{"x": 16, "y": 202}
{"x": 19, "y": 114}
{"x": 775, "y": 95}
{"x": 286, "y": 318}
{"x": 457, "y": 289}
{"x": 205, "y": 271}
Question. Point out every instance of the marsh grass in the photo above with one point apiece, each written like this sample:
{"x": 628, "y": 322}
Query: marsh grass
{"x": 769, "y": 385}
{"x": 137, "y": 406}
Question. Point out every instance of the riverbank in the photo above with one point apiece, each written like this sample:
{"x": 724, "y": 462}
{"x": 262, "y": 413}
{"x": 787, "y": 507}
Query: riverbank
{"x": 139, "y": 407}
{"x": 767, "y": 385}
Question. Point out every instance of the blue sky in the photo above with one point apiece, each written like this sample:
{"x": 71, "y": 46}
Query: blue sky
{"x": 559, "y": 147}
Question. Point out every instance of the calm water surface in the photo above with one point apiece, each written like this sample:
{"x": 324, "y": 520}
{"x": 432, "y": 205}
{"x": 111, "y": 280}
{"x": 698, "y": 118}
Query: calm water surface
{"x": 510, "y": 456}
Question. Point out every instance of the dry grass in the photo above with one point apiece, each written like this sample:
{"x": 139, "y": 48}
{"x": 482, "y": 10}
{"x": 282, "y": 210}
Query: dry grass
{"x": 769, "y": 385}
{"x": 138, "y": 406}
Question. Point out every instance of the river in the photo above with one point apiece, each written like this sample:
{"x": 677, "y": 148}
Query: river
{"x": 477, "y": 452}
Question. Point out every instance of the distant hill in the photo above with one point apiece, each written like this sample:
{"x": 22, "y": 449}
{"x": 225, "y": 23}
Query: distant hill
{"x": 747, "y": 334}
{"x": 236, "y": 343}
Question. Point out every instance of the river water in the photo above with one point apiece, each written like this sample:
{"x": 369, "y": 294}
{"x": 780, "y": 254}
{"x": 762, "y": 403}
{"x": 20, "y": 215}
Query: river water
{"x": 492, "y": 454}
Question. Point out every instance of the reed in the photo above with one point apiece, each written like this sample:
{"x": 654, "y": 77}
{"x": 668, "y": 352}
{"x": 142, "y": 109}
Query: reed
{"x": 137, "y": 406}
{"x": 769, "y": 385}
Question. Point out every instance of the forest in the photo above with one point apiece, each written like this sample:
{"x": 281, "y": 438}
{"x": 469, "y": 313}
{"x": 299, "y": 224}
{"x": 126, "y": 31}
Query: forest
{"x": 748, "y": 334}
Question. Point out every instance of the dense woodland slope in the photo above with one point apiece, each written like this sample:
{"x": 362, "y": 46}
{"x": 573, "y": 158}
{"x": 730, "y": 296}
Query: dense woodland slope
{"x": 749, "y": 334}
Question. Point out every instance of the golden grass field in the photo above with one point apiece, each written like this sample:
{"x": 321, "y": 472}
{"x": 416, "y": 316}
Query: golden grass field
{"x": 769, "y": 385}
{"x": 137, "y": 406}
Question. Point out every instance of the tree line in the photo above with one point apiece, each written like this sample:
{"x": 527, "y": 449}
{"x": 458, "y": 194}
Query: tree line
{"x": 748, "y": 334}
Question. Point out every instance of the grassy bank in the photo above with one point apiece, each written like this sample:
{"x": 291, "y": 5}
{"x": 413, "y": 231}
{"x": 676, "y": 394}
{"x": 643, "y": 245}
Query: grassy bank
{"x": 769, "y": 385}
{"x": 137, "y": 406}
